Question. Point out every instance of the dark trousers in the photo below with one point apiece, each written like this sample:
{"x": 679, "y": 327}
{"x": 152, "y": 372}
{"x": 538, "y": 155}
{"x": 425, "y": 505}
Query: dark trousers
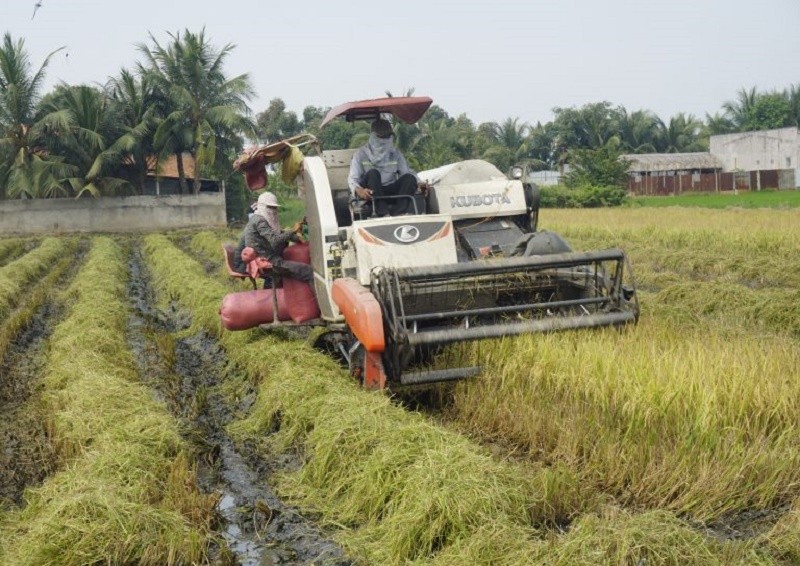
{"x": 293, "y": 269}
{"x": 405, "y": 185}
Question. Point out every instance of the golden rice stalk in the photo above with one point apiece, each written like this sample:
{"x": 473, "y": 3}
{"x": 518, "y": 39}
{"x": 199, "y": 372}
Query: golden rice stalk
{"x": 124, "y": 492}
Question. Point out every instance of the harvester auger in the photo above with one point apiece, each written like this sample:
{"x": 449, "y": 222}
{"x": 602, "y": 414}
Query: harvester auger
{"x": 469, "y": 265}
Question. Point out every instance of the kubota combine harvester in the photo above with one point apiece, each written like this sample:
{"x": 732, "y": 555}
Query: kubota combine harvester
{"x": 469, "y": 265}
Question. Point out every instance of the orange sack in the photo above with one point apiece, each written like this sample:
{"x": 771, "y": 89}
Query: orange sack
{"x": 300, "y": 300}
{"x": 296, "y": 301}
{"x": 248, "y": 309}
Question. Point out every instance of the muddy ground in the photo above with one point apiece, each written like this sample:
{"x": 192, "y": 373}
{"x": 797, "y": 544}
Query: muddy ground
{"x": 27, "y": 456}
{"x": 257, "y": 527}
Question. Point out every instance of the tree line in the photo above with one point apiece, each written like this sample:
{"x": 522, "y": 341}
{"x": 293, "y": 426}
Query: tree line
{"x": 177, "y": 100}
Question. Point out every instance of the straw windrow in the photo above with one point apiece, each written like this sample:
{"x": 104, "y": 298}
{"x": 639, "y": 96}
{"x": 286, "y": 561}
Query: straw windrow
{"x": 16, "y": 275}
{"x": 10, "y": 248}
{"x": 34, "y": 299}
{"x": 125, "y": 492}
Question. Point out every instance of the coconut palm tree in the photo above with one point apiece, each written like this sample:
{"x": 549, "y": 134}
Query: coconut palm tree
{"x": 27, "y": 167}
{"x": 719, "y": 124}
{"x": 509, "y": 143}
{"x": 204, "y": 104}
{"x": 639, "y": 130}
{"x": 739, "y": 111}
{"x": 135, "y": 109}
{"x": 436, "y": 145}
{"x": 682, "y": 134}
{"x": 88, "y": 128}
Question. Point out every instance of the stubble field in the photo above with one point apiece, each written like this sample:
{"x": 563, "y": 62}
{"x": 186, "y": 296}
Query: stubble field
{"x": 134, "y": 430}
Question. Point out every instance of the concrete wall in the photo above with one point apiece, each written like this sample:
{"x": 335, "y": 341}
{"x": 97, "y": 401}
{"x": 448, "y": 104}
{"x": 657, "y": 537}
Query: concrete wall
{"x": 753, "y": 151}
{"x": 111, "y": 214}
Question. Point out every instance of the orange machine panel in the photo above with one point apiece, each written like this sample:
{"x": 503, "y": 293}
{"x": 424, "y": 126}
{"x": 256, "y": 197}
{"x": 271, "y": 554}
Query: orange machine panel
{"x": 361, "y": 311}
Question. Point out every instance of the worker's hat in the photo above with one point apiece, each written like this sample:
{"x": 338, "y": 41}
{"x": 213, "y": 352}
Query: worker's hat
{"x": 268, "y": 199}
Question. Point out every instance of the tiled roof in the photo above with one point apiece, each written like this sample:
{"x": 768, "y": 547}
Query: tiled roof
{"x": 169, "y": 167}
{"x": 671, "y": 161}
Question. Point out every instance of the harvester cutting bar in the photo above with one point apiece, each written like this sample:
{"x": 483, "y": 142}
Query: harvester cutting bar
{"x": 450, "y": 335}
{"x": 509, "y": 265}
{"x": 505, "y": 309}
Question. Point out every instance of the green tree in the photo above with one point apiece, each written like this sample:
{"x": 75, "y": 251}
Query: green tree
{"x": 435, "y": 146}
{"x": 639, "y": 131}
{"x": 770, "y": 111}
{"x": 541, "y": 141}
{"x": 718, "y": 124}
{"x": 275, "y": 123}
{"x": 205, "y": 105}
{"x": 589, "y": 127}
{"x": 738, "y": 111}
{"x": 683, "y": 134}
{"x": 793, "y": 96}
{"x": 83, "y": 138}
{"x": 509, "y": 143}
{"x": 600, "y": 167}
{"x": 136, "y": 109}
{"x": 26, "y": 166}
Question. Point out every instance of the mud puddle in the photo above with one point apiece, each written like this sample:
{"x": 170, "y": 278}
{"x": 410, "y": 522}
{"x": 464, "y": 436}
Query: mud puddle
{"x": 26, "y": 455}
{"x": 256, "y": 526}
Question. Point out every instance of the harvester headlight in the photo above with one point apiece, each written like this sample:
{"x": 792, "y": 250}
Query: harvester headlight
{"x": 516, "y": 172}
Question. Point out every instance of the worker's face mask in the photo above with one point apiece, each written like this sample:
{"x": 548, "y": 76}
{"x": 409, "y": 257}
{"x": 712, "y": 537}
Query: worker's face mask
{"x": 271, "y": 214}
{"x": 379, "y": 147}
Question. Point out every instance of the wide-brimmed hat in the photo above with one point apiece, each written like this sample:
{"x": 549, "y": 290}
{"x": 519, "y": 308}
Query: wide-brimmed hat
{"x": 268, "y": 199}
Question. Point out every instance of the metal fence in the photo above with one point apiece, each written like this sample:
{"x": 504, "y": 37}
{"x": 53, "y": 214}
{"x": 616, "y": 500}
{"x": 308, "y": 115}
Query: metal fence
{"x": 673, "y": 183}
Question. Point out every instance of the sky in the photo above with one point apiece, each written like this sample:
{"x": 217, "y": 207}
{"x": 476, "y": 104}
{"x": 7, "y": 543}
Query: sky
{"x": 491, "y": 60}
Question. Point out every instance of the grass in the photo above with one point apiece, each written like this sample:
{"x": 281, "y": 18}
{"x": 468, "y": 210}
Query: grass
{"x": 400, "y": 488}
{"x": 743, "y": 199}
{"x": 124, "y": 491}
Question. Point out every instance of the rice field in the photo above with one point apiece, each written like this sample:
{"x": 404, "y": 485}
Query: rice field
{"x": 672, "y": 442}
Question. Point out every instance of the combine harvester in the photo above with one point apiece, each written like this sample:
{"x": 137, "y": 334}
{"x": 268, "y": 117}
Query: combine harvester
{"x": 469, "y": 265}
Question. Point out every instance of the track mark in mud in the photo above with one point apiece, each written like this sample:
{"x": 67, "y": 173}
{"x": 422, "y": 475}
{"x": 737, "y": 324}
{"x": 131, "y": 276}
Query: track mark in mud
{"x": 26, "y": 454}
{"x": 26, "y": 457}
{"x": 257, "y": 527}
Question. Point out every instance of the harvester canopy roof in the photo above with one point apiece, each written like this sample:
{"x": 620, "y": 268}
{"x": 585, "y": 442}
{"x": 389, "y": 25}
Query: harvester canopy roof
{"x": 408, "y": 109}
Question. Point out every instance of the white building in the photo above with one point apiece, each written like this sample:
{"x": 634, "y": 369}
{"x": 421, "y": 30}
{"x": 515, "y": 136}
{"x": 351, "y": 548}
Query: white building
{"x": 765, "y": 150}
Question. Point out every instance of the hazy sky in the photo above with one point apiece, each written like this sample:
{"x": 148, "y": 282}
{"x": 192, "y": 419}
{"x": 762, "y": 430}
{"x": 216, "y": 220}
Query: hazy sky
{"x": 491, "y": 60}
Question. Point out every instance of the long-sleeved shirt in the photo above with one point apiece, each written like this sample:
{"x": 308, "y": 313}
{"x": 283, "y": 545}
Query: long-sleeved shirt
{"x": 391, "y": 168}
{"x": 266, "y": 241}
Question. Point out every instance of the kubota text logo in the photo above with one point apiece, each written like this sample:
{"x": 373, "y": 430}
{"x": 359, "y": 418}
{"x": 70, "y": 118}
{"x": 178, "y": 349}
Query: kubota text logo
{"x": 479, "y": 200}
{"x": 406, "y": 233}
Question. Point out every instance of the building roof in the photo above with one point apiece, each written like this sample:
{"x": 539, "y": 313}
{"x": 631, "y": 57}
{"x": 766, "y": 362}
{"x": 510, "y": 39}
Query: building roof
{"x": 169, "y": 166}
{"x": 671, "y": 161}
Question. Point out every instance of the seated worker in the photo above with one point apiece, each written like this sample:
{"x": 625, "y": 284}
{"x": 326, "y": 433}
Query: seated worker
{"x": 263, "y": 233}
{"x": 378, "y": 169}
